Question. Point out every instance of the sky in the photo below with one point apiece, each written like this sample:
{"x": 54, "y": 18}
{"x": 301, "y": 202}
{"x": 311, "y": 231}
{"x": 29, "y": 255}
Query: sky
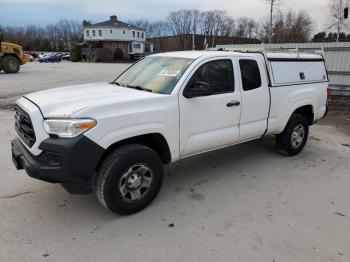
{"x": 42, "y": 12}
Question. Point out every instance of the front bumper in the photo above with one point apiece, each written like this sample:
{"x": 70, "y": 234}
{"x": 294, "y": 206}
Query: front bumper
{"x": 71, "y": 162}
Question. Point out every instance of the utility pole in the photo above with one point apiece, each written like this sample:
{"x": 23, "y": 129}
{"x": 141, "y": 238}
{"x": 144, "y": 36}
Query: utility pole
{"x": 340, "y": 19}
{"x": 193, "y": 47}
{"x": 272, "y": 4}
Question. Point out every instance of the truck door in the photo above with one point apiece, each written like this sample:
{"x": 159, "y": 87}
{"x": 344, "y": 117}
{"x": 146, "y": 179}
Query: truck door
{"x": 255, "y": 98}
{"x": 210, "y": 121}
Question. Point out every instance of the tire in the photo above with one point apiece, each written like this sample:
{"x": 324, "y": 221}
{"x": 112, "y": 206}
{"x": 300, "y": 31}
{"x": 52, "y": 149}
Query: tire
{"x": 294, "y": 137}
{"x": 124, "y": 185}
{"x": 10, "y": 64}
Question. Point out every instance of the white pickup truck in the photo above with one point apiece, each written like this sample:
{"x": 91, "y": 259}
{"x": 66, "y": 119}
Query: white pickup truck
{"x": 115, "y": 137}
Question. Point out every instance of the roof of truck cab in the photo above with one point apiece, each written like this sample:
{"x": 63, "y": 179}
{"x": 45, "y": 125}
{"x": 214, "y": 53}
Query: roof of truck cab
{"x": 208, "y": 54}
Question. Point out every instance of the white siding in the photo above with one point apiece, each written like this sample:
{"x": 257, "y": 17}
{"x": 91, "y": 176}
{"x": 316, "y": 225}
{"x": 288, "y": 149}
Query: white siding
{"x": 113, "y": 34}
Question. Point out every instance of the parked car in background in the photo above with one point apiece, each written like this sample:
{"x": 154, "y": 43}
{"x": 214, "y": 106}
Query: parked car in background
{"x": 32, "y": 53}
{"x": 31, "y": 58}
{"x": 50, "y": 58}
{"x": 41, "y": 55}
{"x": 65, "y": 57}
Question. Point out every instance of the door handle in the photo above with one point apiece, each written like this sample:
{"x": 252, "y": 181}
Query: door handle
{"x": 233, "y": 103}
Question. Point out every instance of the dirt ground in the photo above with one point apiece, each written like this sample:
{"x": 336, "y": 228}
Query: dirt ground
{"x": 243, "y": 203}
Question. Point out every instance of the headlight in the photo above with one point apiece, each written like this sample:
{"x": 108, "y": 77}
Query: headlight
{"x": 68, "y": 128}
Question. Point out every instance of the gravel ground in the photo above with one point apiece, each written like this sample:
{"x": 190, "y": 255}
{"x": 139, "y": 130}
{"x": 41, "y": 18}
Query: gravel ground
{"x": 243, "y": 203}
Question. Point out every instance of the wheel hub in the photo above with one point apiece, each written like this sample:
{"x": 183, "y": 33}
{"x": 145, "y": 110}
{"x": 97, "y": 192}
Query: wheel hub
{"x": 12, "y": 65}
{"x": 134, "y": 181}
{"x": 298, "y": 136}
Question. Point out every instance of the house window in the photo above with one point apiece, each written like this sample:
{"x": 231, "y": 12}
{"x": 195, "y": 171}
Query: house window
{"x": 136, "y": 46}
{"x": 123, "y": 32}
{"x": 133, "y": 34}
{"x": 111, "y": 31}
{"x": 142, "y": 35}
{"x": 100, "y": 32}
{"x": 138, "y": 34}
{"x": 93, "y": 32}
{"x": 87, "y": 33}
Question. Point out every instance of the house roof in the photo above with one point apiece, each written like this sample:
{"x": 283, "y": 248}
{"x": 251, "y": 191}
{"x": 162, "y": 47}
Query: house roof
{"x": 115, "y": 24}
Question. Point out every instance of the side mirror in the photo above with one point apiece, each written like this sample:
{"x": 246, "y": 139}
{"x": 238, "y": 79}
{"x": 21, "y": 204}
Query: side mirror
{"x": 197, "y": 89}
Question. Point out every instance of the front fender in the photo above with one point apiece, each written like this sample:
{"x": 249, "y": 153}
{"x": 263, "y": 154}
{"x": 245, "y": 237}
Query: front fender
{"x": 105, "y": 140}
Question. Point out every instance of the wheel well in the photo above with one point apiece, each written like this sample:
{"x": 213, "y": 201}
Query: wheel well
{"x": 13, "y": 55}
{"x": 306, "y": 111}
{"x": 155, "y": 141}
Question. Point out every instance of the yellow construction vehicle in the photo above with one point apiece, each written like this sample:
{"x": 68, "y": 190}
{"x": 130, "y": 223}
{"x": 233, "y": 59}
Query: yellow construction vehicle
{"x": 11, "y": 57}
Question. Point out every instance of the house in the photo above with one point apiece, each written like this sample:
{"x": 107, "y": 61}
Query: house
{"x": 114, "y": 34}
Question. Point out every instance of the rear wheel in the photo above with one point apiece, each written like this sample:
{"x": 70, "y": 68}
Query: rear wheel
{"x": 10, "y": 64}
{"x": 129, "y": 179}
{"x": 294, "y": 137}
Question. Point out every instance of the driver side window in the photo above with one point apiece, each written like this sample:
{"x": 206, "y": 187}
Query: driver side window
{"x": 218, "y": 75}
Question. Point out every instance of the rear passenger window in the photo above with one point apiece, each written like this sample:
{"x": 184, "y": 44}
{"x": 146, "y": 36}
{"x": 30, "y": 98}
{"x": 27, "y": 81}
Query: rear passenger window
{"x": 218, "y": 74}
{"x": 250, "y": 72}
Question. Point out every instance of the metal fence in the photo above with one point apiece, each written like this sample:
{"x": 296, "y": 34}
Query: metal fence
{"x": 337, "y": 57}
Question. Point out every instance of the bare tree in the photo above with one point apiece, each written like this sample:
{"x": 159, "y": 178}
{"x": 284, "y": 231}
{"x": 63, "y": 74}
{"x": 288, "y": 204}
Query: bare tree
{"x": 211, "y": 21}
{"x": 247, "y": 27}
{"x": 182, "y": 23}
{"x": 292, "y": 27}
{"x": 76, "y": 32}
{"x": 336, "y": 12}
{"x": 158, "y": 29}
{"x": 65, "y": 32}
{"x": 227, "y": 27}
{"x": 141, "y": 23}
{"x": 52, "y": 33}
{"x": 273, "y": 5}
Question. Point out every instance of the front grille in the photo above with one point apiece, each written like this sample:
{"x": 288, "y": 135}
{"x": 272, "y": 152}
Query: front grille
{"x": 24, "y": 127}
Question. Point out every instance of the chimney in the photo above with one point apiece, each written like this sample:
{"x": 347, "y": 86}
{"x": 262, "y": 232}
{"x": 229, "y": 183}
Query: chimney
{"x": 113, "y": 18}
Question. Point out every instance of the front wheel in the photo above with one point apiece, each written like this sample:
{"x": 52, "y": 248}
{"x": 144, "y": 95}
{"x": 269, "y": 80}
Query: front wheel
{"x": 10, "y": 64}
{"x": 129, "y": 179}
{"x": 294, "y": 137}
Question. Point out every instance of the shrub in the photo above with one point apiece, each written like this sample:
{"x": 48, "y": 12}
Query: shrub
{"x": 118, "y": 54}
{"x": 75, "y": 54}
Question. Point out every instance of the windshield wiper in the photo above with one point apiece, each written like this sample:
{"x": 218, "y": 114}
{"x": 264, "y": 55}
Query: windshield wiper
{"x": 139, "y": 88}
{"x": 134, "y": 87}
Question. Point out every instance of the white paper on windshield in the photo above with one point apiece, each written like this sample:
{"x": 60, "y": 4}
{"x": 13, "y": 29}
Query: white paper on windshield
{"x": 169, "y": 73}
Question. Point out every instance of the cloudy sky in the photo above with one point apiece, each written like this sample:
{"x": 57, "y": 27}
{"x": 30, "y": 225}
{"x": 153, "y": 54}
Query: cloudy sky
{"x": 42, "y": 12}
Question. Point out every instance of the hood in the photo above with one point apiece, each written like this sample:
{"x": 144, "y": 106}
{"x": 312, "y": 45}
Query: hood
{"x": 65, "y": 101}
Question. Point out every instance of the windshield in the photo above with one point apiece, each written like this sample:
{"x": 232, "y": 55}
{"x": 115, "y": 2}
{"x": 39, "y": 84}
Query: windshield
{"x": 156, "y": 74}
